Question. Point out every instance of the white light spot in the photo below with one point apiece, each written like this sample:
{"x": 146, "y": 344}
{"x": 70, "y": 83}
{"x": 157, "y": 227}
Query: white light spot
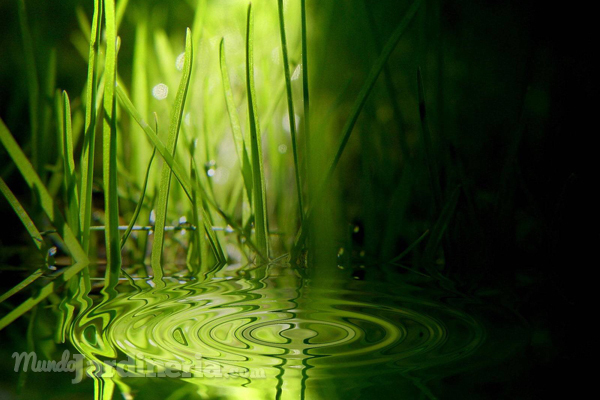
{"x": 285, "y": 122}
{"x": 275, "y": 56}
{"x": 182, "y": 220}
{"x": 180, "y": 61}
{"x": 152, "y": 217}
{"x": 187, "y": 119}
{"x": 160, "y": 91}
{"x": 211, "y": 172}
{"x": 297, "y": 72}
{"x": 282, "y": 148}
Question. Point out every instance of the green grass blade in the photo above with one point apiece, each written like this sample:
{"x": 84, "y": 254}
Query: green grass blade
{"x": 139, "y": 204}
{"x": 165, "y": 177}
{"x": 291, "y": 112}
{"x": 236, "y": 129}
{"x": 437, "y": 234}
{"x": 370, "y": 83}
{"x": 258, "y": 183}
{"x": 427, "y": 145}
{"x": 33, "y": 83}
{"x": 47, "y": 204}
{"x": 109, "y": 146}
{"x": 178, "y": 171}
{"x": 35, "y": 235}
{"x": 305, "y": 91}
{"x": 121, "y": 7}
{"x": 356, "y": 110}
{"x": 40, "y": 295}
{"x": 198, "y": 238}
{"x": 89, "y": 139}
{"x": 70, "y": 177}
{"x": 409, "y": 248}
{"x": 22, "y": 285}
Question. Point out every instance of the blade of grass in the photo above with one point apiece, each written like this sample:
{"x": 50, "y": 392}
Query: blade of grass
{"x": 33, "y": 85}
{"x": 198, "y": 238}
{"x": 111, "y": 200}
{"x": 409, "y": 248}
{"x": 291, "y": 112}
{"x": 178, "y": 171}
{"x": 70, "y": 177}
{"x": 356, "y": 110}
{"x": 40, "y": 295}
{"x": 258, "y": 184}
{"x": 236, "y": 129}
{"x": 47, "y": 204}
{"x": 35, "y": 235}
{"x": 305, "y": 92}
{"x": 139, "y": 204}
{"x": 89, "y": 139}
{"x": 370, "y": 83}
{"x": 437, "y": 234}
{"x": 165, "y": 177}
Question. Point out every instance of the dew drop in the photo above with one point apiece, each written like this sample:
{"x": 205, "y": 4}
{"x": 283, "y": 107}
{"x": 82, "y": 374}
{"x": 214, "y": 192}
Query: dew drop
{"x": 160, "y": 91}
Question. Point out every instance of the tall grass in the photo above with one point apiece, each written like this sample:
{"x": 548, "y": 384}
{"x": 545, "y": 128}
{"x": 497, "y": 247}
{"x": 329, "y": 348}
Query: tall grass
{"x": 229, "y": 191}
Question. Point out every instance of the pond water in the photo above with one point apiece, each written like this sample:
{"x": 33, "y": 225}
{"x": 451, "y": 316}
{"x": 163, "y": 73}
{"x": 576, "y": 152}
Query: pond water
{"x": 283, "y": 336}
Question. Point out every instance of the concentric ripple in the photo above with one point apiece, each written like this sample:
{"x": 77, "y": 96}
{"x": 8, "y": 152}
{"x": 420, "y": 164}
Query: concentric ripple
{"x": 261, "y": 336}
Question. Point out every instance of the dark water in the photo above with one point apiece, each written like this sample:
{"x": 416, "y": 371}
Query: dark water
{"x": 287, "y": 337}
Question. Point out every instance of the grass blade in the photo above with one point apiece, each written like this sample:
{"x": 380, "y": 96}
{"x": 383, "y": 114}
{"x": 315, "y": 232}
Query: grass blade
{"x": 258, "y": 183}
{"x": 138, "y": 207}
{"x": 111, "y": 200}
{"x": 21, "y": 285}
{"x": 305, "y": 91}
{"x": 290, "y": 101}
{"x": 356, "y": 110}
{"x": 370, "y": 83}
{"x": 178, "y": 171}
{"x": 409, "y": 248}
{"x": 89, "y": 139}
{"x": 35, "y": 235}
{"x": 437, "y": 234}
{"x": 70, "y": 177}
{"x": 236, "y": 129}
{"x": 47, "y": 204}
{"x": 165, "y": 177}
{"x": 40, "y": 295}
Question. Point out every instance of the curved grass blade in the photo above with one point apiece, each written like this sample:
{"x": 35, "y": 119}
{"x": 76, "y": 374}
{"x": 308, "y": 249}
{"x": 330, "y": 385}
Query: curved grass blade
{"x": 356, "y": 110}
{"x": 165, "y": 177}
{"x": 89, "y": 139}
{"x": 291, "y": 112}
{"x": 139, "y": 204}
{"x": 258, "y": 183}
{"x": 113, "y": 248}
